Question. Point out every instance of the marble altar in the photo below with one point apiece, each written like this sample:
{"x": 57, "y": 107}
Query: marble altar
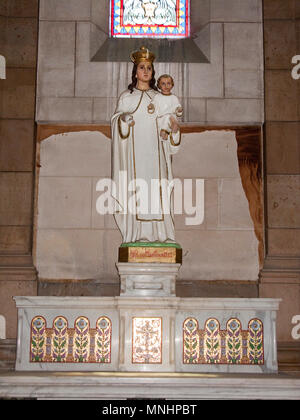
{"x": 147, "y": 334}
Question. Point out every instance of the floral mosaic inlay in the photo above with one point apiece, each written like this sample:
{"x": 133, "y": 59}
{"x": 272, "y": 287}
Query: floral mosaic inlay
{"x": 61, "y": 344}
{"x": 233, "y": 345}
{"x": 147, "y": 340}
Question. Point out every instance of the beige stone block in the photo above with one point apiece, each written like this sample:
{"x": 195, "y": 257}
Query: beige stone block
{"x": 279, "y": 9}
{"x": 99, "y": 13}
{"x": 297, "y": 9}
{"x": 236, "y": 10}
{"x": 281, "y": 96}
{"x": 75, "y": 110}
{"x": 89, "y": 38}
{"x": 97, "y": 39}
{"x": 211, "y": 205}
{"x": 18, "y": 93}
{"x": 101, "y": 219}
{"x": 67, "y": 253}
{"x": 280, "y": 43}
{"x": 65, "y": 9}
{"x": 202, "y": 37}
{"x": 15, "y": 239}
{"x": 215, "y": 288}
{"x": 210, "y": 154}
{"x": 16, "y": 145}
{"x": 16, "y": 198}
{"x": 243, "y": 46}
{"x": 206, "y": 80}
{"x": 56, "y": 59}
{"x": 103, "y": 109}
{"x": 64, "y": 202}
{"x": 283, "y": 147}
{"x": 25, "y": 8}
{"x": 283, "y": 201}
{"x": 83, "y": 39}
{"x": 76, "y": 154}
{"x": 57, "y": 44}
{"x": 108, "y": 250}
{"x": 20, "y": 36}
{"x": 57, "y": 82}
{"x": 8, "y": 289}
{"x": 235, "y": 110}
{"x": 233, "y": 205}
{"x": 92, "y": 80}
{"x": 77, "y": 253}
{"x": 244, "y": 84}
{"x": 218, "y": 255}
{"x": 196, "y": 111}
{"x": 298, "y": 31}
{"x": 97, "y": 287}
{"x": 283, "y": 242}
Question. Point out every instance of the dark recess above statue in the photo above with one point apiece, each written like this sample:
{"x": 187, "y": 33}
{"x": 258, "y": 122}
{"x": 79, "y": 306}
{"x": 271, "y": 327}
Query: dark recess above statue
{"x": 166, "y": 50}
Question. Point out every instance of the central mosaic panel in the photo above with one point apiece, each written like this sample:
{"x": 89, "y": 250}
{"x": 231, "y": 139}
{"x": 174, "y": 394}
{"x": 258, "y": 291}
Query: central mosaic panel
{"x": 146, "y": 340}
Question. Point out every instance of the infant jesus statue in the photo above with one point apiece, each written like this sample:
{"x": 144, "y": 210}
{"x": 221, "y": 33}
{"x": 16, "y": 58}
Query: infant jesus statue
{"x": 167, "y": 105}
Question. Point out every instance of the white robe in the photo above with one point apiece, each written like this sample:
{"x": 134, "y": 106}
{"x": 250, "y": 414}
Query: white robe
{"x": 166, "y": 106}
{"x": 139, "y": 153}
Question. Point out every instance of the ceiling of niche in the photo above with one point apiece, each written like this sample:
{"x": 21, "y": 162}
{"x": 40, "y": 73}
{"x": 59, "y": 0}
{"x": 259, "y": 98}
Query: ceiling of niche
{"x": 166, "y": 50}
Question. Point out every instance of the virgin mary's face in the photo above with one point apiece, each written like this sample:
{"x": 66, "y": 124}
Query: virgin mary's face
{"x": 144, "y": 71}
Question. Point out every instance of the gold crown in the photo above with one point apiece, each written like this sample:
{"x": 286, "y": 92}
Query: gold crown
{"x": 143, "y": 54}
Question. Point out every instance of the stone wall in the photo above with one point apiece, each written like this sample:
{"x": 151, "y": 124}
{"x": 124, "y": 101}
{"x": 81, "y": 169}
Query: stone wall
{"x": 280, "y": 276}
{"x": 18, "y": 44}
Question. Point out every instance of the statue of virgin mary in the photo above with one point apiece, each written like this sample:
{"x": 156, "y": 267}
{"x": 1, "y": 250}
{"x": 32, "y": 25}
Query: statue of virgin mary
{"x": 141, "y": 159}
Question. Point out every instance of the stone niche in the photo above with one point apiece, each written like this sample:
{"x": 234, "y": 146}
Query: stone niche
{"x": 72, "y": 241}
{"x": 76, "y": 97}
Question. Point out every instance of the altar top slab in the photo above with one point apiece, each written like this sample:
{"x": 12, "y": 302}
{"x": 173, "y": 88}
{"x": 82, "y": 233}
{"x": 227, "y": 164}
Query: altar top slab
{"x": 169, "y": 302}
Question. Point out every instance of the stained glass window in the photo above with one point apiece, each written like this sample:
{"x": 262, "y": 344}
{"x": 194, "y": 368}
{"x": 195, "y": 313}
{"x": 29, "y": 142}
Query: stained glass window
{"x": 150, "y": 18}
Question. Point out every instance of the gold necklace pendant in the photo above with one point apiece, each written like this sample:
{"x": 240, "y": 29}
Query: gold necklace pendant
{"x": 151, "y": 108}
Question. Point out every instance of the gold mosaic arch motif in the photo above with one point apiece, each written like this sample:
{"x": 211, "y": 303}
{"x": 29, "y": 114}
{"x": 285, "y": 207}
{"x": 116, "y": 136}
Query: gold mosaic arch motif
{"x": 231, "y": 346}
{"x": 62, "y": 344}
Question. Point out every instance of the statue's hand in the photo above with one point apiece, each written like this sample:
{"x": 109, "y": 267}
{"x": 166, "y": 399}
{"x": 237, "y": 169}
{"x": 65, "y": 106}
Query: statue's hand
{"x": 131, "y": 123}
{"x": 128, "y": 119}
{"x": 174, "y": 125}
{"x": 164, "y": 134}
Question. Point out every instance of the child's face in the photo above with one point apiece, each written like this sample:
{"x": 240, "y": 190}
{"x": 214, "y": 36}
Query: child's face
{"x": 165, "y": 85}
